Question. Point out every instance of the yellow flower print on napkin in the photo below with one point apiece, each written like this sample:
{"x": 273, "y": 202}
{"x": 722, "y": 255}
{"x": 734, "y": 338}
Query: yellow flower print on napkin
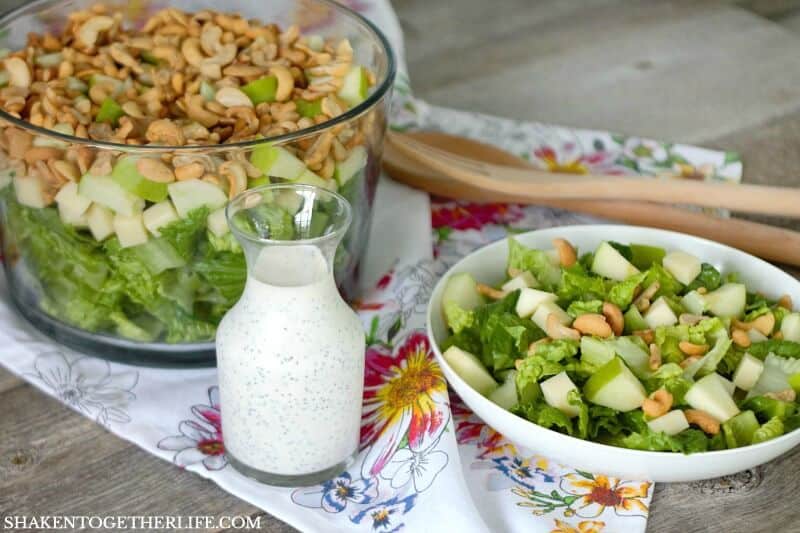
{"x": 586, "y": 526}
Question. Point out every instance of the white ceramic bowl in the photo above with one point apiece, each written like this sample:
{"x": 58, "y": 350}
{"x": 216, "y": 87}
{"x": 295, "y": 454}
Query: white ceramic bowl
{"x": 488, "y": 265}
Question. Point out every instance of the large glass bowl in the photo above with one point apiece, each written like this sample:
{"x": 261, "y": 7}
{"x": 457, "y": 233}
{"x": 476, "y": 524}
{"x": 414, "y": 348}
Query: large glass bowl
{"x": 68, "y": 285}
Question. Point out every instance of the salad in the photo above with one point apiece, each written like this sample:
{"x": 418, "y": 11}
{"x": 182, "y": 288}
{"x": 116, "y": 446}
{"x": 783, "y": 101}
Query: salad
{"x": 136, "y": 243}
{"x": 629, "y": 345}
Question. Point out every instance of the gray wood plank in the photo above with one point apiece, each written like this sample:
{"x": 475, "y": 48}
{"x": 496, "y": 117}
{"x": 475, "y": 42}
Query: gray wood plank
{"x": 8, "y": 380}
{"x": 677, "y": 71}
{"x": 53, "y": 461}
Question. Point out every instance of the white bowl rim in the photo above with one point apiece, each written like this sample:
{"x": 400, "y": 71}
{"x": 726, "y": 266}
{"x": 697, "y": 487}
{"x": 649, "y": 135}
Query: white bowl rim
{"x": 607, "y": 227}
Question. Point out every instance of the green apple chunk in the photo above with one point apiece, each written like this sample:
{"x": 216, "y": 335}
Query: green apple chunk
{"x": 107, "y": 192}
{"x": 520, "y": 281}
{"x": 352, "y": 164}
{"x": 615, "y": 386}
{"x": 309, "y": 178}
{"x": 671, "y": 423}
{"x": 218, "y": 223}
{"x": 694, "y": 302}
{"x": 191, "y": 194}
{"x": 462, "y": 290}
{"x": 729, "y": 386}
{"x": 556, "y": 393}
{"x": 739, "y": 430}
{"x": 609, "y": 263}
{"x": 308, "y": 108}
{"x": 596, "y": 352}
{"x": 546, "y": 309}
{"x": 748, "y": 372}
{"x": 727, "y": 301}
{"x": 470, "y": 369}
{"x": 29, "y": 191}
{"x": 660, "y": 314}
{"x": 506, "y": 394}
{"x": 683, "y": 267}
{"x": 130, "y": 230}
{"x": 277, "y": 162}
{"x": 790, "y": 327}
{"x": 261, "y": 90}
{"x": 110, "y": 111}
{"x": 101, "y": 221}
{"x": 129, "y": 178}
{"x": 637, "y": 359}
{"x": 72, "y": 206}
{"x": 530, "y": 300}
{"x": 710, "y": 395}
{"x": 354, "y": 86}
{"x": 159, "y": 215}
{"x": 634, "y": 320}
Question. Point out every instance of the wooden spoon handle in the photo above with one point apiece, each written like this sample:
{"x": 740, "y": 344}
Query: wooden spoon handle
{"x": 534, "y": 185}
{"x": 783, "y": 201}
{"x": 768, "y": 242}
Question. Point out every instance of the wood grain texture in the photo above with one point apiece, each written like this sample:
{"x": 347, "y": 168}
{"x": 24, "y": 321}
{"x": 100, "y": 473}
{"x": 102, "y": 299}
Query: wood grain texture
{"x": 721, "y": 73}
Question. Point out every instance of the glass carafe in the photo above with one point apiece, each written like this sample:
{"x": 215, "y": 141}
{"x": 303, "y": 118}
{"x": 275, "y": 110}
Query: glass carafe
{"x": 290, "y": 353}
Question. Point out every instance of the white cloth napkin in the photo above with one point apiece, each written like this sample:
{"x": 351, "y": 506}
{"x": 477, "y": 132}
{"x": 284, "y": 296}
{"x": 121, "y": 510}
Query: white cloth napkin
{"x": 427, "y": 464}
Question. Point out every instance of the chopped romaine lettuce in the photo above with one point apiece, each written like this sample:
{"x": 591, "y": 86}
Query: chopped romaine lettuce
{"x": 536, "y": 261}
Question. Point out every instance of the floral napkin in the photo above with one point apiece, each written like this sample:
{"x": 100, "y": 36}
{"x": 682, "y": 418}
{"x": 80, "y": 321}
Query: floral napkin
{"x": 427, "y": 463}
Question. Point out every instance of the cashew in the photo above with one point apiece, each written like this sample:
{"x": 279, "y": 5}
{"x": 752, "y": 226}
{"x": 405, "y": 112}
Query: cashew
{"x": 120, "y": 55}
{"x": 319, "y": 150}
{"x": 557, "y": 330}
{"x": 232, "y": 97}
{"x": 189, "y": 172}
{"x": 236, "y": 176}
{"x": 690, "y": 319}
{"x": 132, "y": 109}
{"x": 66, "y": 169}
{"x": 642, "y": 302}
{"x": 659, "y": 403}
{"x": 196, "y": 111}
{"x": 155, "y": 170}
{"x": 19, "y": 75}
{"x": 42, "y": 153}
{"x": 689, "y": 361}
{"x": 90, "y": 30}
{"x": 741, "y": 338}
{"x": 512, "y": 272}
{"x": 491, "y": 292}
{"x": 765, "y": 323}
{"x": 692, "y": 349}
{"x": 646, "y": 335}
{"x": 786, "y": 395}
{"x": 246, "y": 121}
{"x": 211, "y": 38}
{"x": 166, "y": 132}
{"x": 654, "y": 362}
{"x": 190, "y": 48}
{"x": 285, "y": 82}
{"x": 778, "y": 335}
{"x": 567, "y": 255}
{"x": 18, "y": 142}
{"x": 703, "y": 420}
{"x": 614, "y": 317}
{"x": 243, "y": 71}
{"x": 592, "y": 324}
{"x": 702, "y": 290}
{"x": 785, "y": 301}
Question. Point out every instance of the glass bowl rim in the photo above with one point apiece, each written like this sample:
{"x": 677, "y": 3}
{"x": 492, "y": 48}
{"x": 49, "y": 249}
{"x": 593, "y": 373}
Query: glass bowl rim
{"x": 371, "y": 101}
{"x": 334, "y": 235}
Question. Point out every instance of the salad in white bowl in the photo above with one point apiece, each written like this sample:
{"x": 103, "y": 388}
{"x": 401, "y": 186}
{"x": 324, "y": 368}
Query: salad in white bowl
{"x": 635, "y": 341}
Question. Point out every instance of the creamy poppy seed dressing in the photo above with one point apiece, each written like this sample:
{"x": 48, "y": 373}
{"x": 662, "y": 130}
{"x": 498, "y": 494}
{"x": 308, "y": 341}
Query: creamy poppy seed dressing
{"x": 291, "y": 367}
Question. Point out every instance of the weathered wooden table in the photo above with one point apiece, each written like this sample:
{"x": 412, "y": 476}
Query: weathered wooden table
{"x": 720, "y": 74}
